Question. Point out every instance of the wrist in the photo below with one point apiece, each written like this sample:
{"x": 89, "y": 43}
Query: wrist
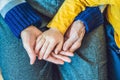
{"x": 80, "y": 23}
{"x": 32, "y": 29}
{"x": 55, "y": 29}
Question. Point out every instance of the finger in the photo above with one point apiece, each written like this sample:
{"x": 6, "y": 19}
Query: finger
{"x": 77, "y": 44}
{"x": 54, "y": 60}
{"x": 67, "y": 34}
{"x": 43, "y": 50}
{"x": 69, "y": 43}
{"x": 31, "y": 54}
{"x": 58, "y": 47}
{"x": 49, "y": 48}
{"x": 39, "y": 44}
{"x": 39, "y": 38}
{"x": 64, "y": 58}
{"x": 67, "y": 53}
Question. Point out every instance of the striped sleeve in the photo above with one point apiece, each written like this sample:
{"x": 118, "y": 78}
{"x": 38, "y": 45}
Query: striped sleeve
{"x": 18, "y": 14}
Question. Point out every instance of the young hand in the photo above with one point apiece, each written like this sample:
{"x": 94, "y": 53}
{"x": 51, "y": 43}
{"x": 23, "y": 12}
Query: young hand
{"x": 29, "y": 36}
{"x": 50, "y": 40}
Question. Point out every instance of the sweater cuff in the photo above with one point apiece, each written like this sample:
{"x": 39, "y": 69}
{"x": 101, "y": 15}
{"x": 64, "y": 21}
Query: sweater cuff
{"x": 21, "y": 17}
{"x": 91, "y": 18}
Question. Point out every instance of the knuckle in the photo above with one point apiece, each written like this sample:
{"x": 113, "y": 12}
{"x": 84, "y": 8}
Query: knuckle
{"x": 53, "y": 41}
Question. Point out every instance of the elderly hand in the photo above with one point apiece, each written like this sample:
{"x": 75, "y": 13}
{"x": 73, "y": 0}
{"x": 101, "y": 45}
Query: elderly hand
{"x": 74, "y": 36}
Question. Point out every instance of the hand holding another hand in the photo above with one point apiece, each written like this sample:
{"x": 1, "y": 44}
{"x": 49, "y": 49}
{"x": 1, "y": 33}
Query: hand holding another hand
{"x": 48, "y": 44}
{"x": 29, "y": 37}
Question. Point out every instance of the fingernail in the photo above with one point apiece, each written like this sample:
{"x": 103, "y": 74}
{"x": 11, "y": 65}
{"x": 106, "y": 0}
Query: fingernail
{"x": 39, "y": 58}
{"x": 56, "y": 52}
{"x": 68, "y": 60}
{"x": 62, "y": 63}
{"x": 31, "y": 63}
{"x": 72, "y": 55}
{"x": 44, "y": 57}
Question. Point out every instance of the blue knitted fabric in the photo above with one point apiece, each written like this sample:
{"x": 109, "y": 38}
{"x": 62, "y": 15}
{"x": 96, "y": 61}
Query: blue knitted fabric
{"x": 20, "y": 17}
{"x": 91, "y": 18}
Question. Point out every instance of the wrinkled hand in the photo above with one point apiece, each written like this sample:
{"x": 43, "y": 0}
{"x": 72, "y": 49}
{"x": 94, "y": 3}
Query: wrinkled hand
{"x": 50, "y": 40}
{"x": 74, "y": 36}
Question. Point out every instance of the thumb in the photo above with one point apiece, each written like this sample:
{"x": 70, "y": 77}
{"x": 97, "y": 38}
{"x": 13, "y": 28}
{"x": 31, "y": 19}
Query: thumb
{"x": 32, "y": 57}
{"x": 69, "y": 42}
{"x": 58, "y": 47}
{"x": 31, "y": 54}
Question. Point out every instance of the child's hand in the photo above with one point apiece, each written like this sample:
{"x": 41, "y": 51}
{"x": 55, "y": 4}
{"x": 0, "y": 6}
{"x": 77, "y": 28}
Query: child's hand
{"x": 50, "y": 40}
{"x": 29, "y": 36}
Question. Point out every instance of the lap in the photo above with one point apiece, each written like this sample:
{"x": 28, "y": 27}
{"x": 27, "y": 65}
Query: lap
{"x": 89, "y": 62}
{"x": 14, "y": 61}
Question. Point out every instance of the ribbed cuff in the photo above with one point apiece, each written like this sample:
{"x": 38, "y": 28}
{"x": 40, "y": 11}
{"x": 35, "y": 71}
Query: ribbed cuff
{"x": 21, "y": 17}
{"x": 91, "y": 18}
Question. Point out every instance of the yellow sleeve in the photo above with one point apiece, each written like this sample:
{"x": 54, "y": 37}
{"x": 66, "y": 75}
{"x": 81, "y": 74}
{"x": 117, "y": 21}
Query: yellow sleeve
{"x": 70, "y": 9}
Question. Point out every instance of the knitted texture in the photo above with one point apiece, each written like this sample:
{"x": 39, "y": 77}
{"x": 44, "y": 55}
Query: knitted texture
{"x": 91, "y": 18}
{"x": 20, "y": 17}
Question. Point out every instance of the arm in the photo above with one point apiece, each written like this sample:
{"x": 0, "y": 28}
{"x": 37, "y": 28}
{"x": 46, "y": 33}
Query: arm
{"x": 83, "y": 23}
{"x": 87, "y": 17}
{"x": 70, "y": 9}
{"x": 19, "y": 15}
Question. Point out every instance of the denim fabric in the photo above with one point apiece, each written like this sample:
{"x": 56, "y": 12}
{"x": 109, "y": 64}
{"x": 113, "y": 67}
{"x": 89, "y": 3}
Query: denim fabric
{"x": 14, "y": 61}
{"x": 89, "y": 62}
{"x": 113, "y": 54}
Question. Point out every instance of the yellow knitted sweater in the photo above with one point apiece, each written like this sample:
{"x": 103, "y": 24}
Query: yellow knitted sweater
{"x": 71, "y": 8}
